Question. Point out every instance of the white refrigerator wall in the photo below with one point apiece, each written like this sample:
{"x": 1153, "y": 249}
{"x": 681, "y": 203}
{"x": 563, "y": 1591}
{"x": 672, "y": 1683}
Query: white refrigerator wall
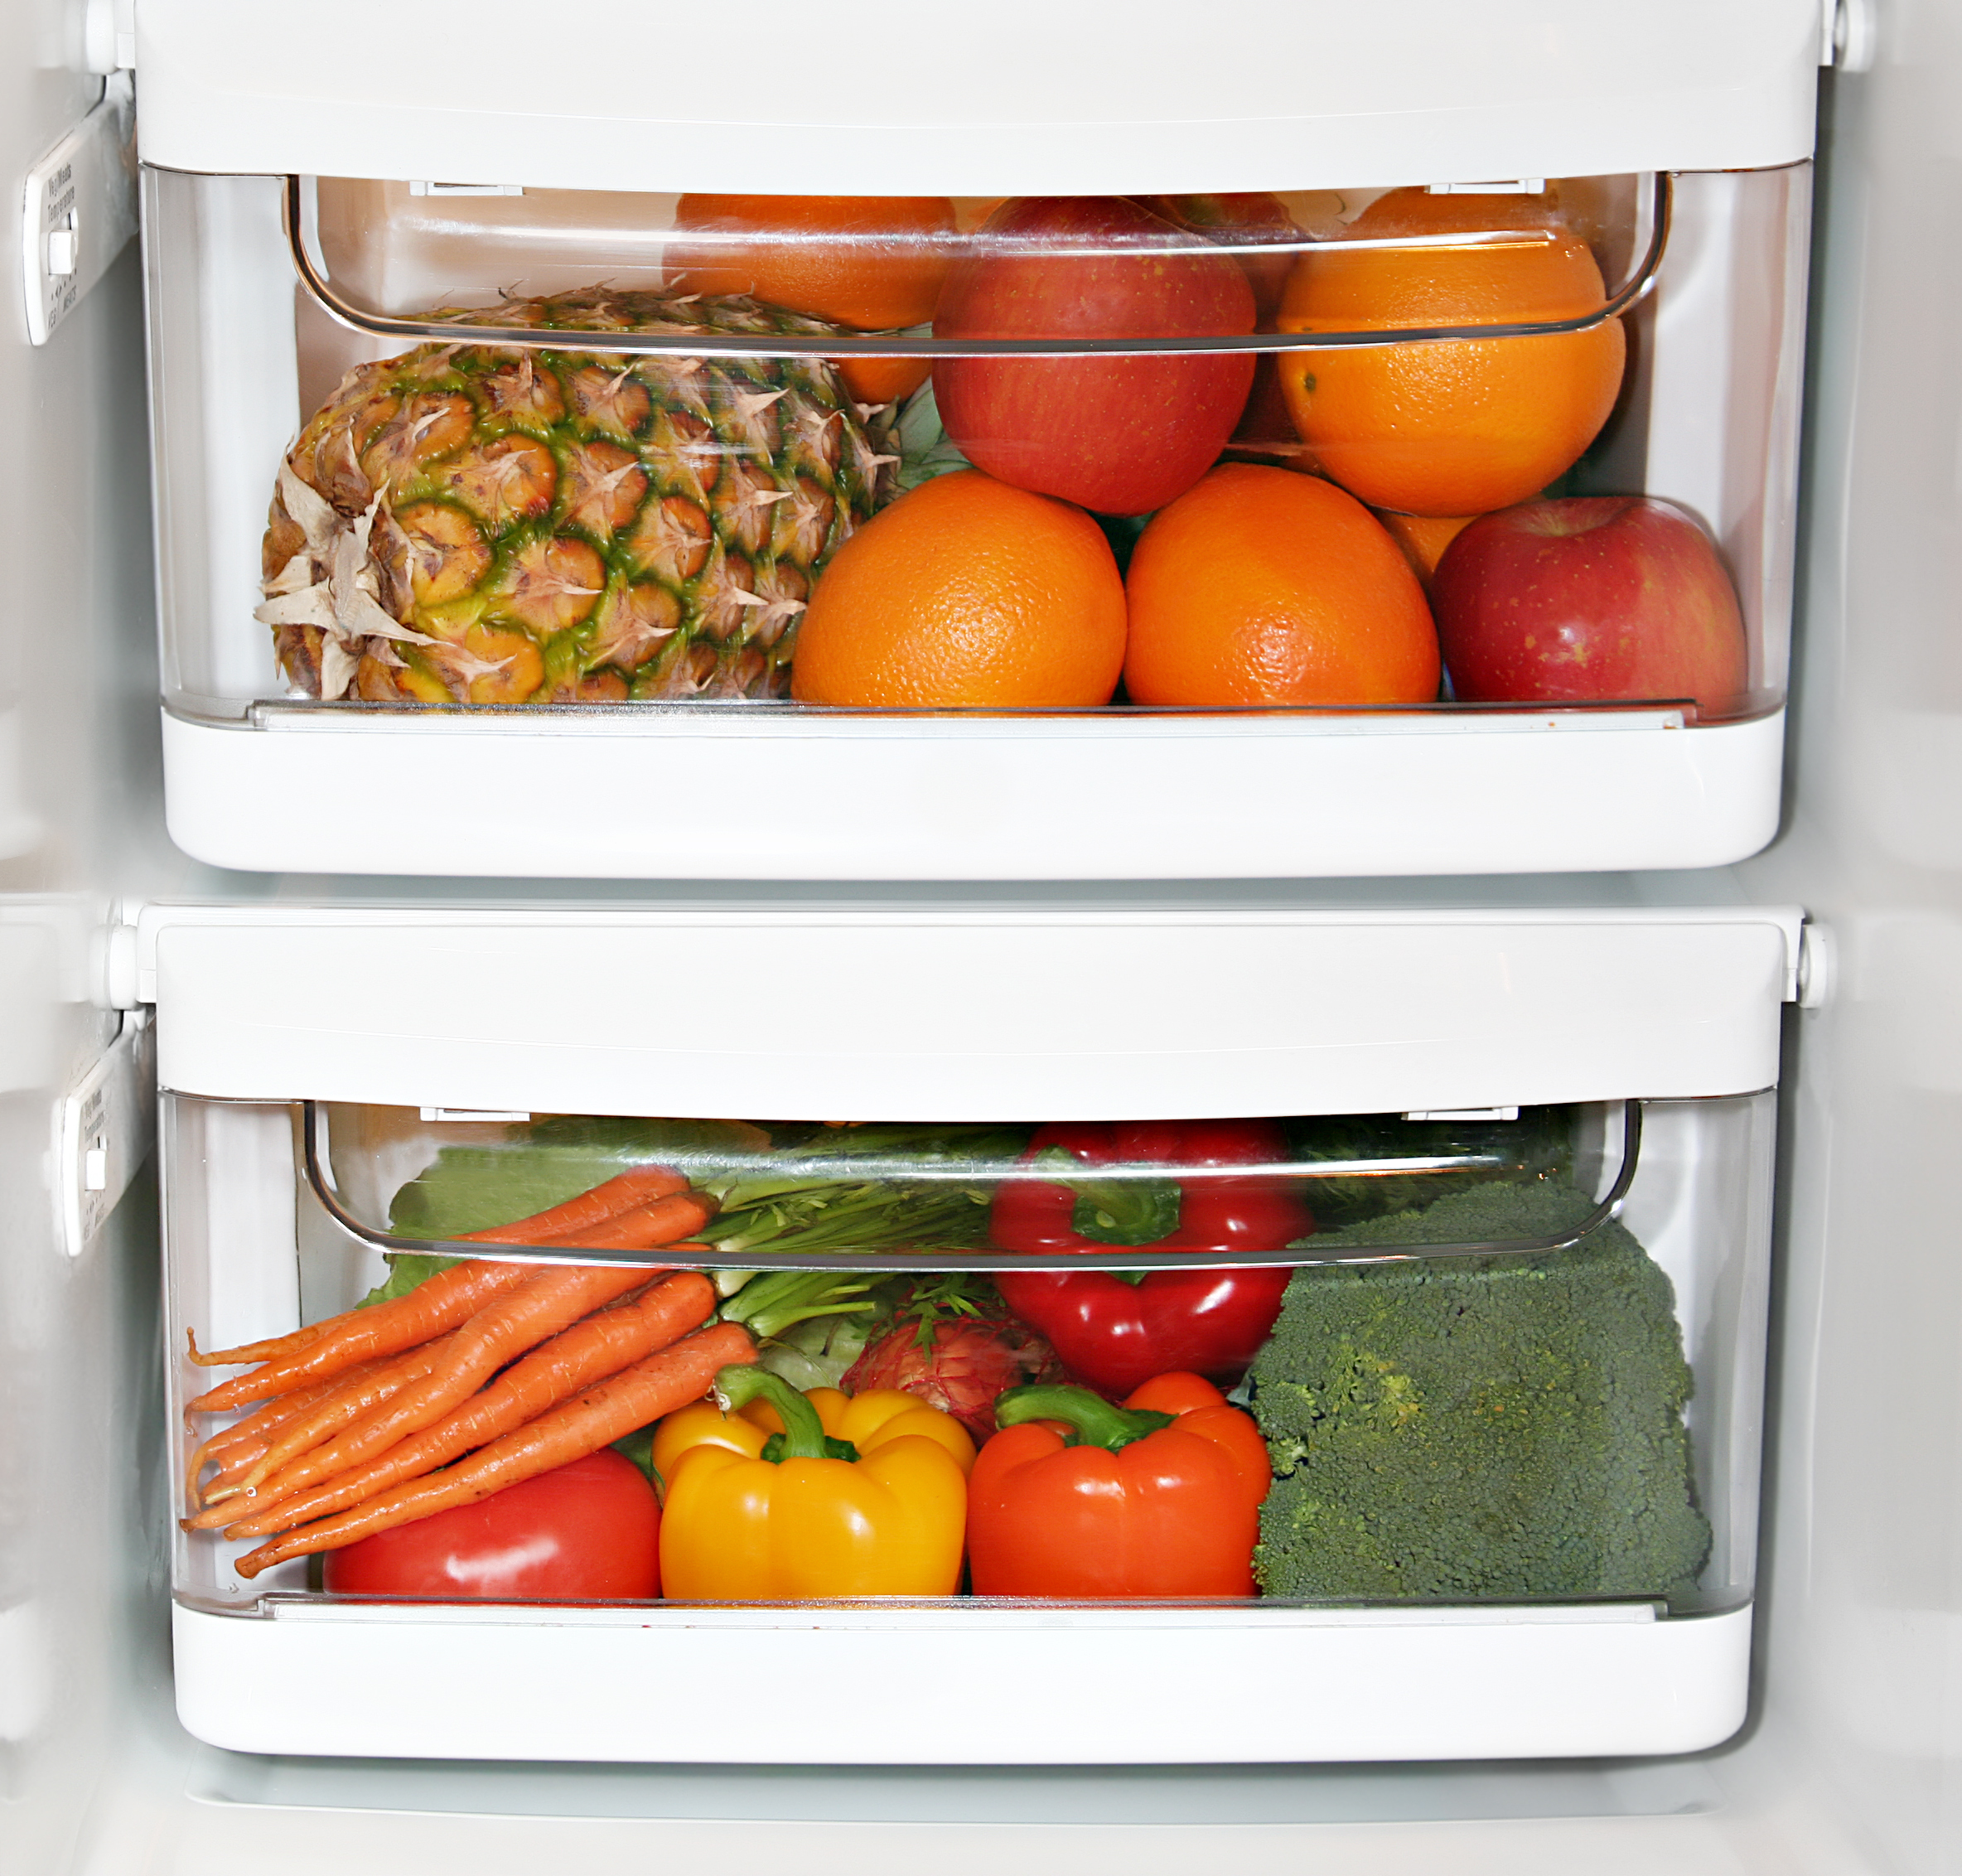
{"x": 79, "y": 1626}
{"x": 1863, "y": 1663}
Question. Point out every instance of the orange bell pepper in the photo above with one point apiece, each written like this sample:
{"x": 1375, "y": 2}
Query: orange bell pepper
{"x": 1197, "y": 1406}
{"x": 1158, "y": 1498}
{"x": 874, "y": 1508}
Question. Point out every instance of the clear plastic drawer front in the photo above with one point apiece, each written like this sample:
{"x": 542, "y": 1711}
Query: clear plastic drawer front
{"x": 1506, "y": 1360}
{"x": 967, "y": 506}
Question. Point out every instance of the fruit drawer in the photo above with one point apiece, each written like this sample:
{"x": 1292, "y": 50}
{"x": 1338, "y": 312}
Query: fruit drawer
{"x": 1498, "y": 1379}
{"x": 1174, "y": 509}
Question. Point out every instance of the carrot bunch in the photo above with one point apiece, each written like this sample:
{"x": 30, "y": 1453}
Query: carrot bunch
{"x": 508, "y": 1370}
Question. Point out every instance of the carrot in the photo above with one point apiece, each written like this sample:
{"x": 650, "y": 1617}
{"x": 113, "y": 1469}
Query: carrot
{"x": 551, "y": 1301}
{"x": 638, "y": 1186}
{"x": 583, "y": 1424}
{"x": 256, "y": 1424}
{"x": 589, "y": 1351}
{"x": 239, "y": 1445}
{"x": 450, "y": 1297}
{"x": 253, "y": 1351}
{"x": 354, "y": 1396}
{"x": 645, "y": 1227}
{"x": 442, "y": 1301}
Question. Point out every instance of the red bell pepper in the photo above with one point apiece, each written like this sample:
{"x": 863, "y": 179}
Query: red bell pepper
{"x": 1145, "y": 1503}
{"x": 1115, "y": 1330}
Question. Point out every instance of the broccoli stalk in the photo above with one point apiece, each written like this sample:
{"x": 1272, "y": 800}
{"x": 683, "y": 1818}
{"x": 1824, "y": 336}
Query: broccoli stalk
{"x": 1478, "y": 1428}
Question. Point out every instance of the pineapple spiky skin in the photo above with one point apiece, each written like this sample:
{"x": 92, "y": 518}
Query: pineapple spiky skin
{"x": 465, "y": 525}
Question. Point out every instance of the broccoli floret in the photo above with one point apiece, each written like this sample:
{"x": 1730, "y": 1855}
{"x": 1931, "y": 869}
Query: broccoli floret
{"x": 1480, "y": 1427}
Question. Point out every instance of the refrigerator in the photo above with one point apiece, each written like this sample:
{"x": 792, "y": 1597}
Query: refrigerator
{"x": 358, "y": 898}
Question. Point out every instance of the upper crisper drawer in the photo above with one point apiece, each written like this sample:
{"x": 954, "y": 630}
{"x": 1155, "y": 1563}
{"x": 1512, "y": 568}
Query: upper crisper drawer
{"x": 1019, "y": 97}
{"x": 959, "y": 1013}
{"x": 665, "y": 534}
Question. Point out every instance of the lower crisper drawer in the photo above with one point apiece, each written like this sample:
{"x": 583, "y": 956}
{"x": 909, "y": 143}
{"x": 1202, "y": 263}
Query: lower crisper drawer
{"x": 1025, "y": 1686}
{"x": 1614, "y": 1252}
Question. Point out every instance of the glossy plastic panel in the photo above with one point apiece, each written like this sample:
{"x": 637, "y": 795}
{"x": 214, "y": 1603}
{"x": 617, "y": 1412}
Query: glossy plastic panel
{"x": 986, "y": 102}
{"x": 377, "y": 256}
{"x": 803, "y": 1195}
{"x": 923, "y": 1010}
{"x": 1563, "y": 1683}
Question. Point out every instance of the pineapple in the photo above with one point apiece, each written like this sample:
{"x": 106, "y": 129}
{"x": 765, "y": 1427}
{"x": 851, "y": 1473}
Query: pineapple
{"x": 463, "y": 524}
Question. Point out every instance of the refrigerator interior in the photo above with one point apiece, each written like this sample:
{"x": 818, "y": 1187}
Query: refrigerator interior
{"x": 1851, "y": 1765}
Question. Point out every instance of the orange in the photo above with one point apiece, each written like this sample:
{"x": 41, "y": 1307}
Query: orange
{"x": 1450, "y": 426}
{"x": 1265, "y": 585}
{"x": 1423, "y": 538}
{"x": 967, "y": 591}
{"x": 873, "y": 262}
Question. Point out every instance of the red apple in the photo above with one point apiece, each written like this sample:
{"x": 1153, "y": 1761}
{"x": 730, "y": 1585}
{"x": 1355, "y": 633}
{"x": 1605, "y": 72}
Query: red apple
{"x": 1120, "y": 435}
{"x": 1593, "y": 598}
{"x": 1247, "y": 223}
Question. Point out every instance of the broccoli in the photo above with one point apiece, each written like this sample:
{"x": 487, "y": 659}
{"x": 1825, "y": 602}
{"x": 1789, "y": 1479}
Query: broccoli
{"x": 1489, "y": 1427}
{"x": 1537, "y": 1145}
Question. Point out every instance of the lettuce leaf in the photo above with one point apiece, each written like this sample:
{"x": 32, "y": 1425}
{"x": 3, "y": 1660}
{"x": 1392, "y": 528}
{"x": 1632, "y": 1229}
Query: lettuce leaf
{"x": 548, "y": 1162}
{"x": 924, "y": 447}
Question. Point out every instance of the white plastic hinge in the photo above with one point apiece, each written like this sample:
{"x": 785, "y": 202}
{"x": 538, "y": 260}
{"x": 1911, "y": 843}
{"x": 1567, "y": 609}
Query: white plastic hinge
{"x": 118, "y": 965}
{"x": 104, "y": 1131}
{"x": 1812, "y": 986}
{"x": 1463, "y": 1113}
{"x": 79, "y": 209}
{"x": 1846, "y": 34}
{"x": 109, "y": 36}
{"x": 471, "y": 1113}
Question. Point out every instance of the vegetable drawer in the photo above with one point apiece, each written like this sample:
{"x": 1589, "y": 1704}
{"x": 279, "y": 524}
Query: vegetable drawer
{"x": 1064, "y": 523}
{"x": 1466, "y": 1384}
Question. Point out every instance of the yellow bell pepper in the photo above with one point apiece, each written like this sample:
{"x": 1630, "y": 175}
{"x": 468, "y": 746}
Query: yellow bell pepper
{"x": 876, "y": 1508}
{"x": 867, "y": 1420}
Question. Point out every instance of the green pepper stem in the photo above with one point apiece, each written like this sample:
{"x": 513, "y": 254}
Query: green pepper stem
{"x": 1096, "y": 1421}
{"x": 803, "y": 1436}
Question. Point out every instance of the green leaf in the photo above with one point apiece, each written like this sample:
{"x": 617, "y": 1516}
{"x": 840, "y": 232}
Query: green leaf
{"x": 816, "y": 1353}
{"x": 639, "y": 1447}
{"x": 924, "y": 449}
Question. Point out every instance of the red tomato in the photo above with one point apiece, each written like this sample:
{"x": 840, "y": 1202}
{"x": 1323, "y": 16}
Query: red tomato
{"x": 588, "y": 1530}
